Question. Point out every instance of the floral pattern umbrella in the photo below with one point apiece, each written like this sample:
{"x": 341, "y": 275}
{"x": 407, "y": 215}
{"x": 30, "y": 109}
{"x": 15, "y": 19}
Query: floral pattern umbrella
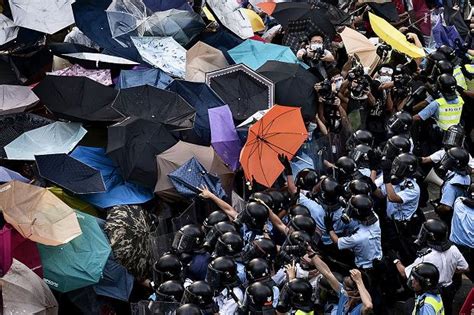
{"x": 102, "y": 76}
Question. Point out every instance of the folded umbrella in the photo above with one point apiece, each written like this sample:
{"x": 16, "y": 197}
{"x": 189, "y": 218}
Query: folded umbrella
{"x": 202, "y": 58}
{"x": 359, "y": 45}
{"x": 16, "y": 98}
{"x": 137, "y": 77}
{"x": 7, "y": 175}
{"x": 24, "y": 292}
{"x": 231, "y": 15}
{"x": 280, "y": 131}
{"x": 133, "y": 145}
{"x": 78, "y": 263}
{"x": 8, "y": 30}
{"x": 70, "y": 173}
{"x": 102, "y": 76}
{"x": 99, "y": 61}
{"x": 244, "y": 90}
{"x": 77, "y": 98}
{"x": 58, "y": 137}
{"x": 156, "y": 105}
{"x": 37, "y": 214}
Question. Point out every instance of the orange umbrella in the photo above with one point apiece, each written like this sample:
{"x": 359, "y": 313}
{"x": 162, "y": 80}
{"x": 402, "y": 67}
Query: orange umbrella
{"x": 280, "y": 130}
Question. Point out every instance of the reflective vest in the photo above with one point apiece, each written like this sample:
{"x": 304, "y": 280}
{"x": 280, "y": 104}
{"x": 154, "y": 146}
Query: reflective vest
{"x": 470, "y": 83}
{"x": 300, "y": 312}
{"x": 435, "y": 302}
{"x": 459, "y": 76}
{"x": 449, "y": 114}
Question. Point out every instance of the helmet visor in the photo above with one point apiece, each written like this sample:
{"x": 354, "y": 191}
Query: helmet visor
{"x": 453, "y": 138}
{"x": 183, "y": 243}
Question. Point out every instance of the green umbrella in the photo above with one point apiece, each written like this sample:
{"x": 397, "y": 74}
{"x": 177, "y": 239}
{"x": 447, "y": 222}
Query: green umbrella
{"x": 78, "y": 263}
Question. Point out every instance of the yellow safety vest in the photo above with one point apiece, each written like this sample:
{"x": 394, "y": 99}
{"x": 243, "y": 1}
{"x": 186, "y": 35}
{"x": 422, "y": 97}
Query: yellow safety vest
{"x": 299, "y": 312}
{"x": 437, "y": 304}
{"x": 459, "y": 76}
{"x": 449, "y": 114}
{"x": 470, "y": 83}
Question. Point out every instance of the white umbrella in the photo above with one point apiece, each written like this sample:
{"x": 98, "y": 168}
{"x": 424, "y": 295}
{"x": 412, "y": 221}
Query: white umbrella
{"x": 98, "y": 58}
{"x": 126, "y": 17}
{"x": 162, "y": 52}
{"x": 232, "y": 16}
{"x": 8, "y": 30}
{"x": 47, "y": 16}
{"x": 16, "y": 98}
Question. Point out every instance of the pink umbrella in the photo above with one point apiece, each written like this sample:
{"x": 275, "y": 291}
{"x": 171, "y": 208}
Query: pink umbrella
{"x": 102, "y": 75}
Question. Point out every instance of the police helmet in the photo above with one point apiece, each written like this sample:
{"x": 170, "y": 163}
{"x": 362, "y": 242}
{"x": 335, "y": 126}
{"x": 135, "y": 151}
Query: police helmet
{"x": 395, "y": 146}
{"x": 257, "y": 269}
{"x": 167, "y": 267}
{"x": 427, "y": 275}
{"x": 188, "y": 239}
{"x": 444, "y": 66}
{"x": 221, "y": 271}
{"x": 345, "y": 168}
{"x": 306, "y": 179}
{"x": 261, "y": 248}
{"x": 360, "y": 155}
{"x": 296, "y": 294}
{"x": 447, "y": 86}
{"x": 328, "y": 196}
{"x": 229, "y": 244}
{"x": 170, "y": 291}
{"x": 259, "y": 299}
{"x": 263, "y": 197}
{"x": 298, "y": 209}
{"x": 453, "y": 137}
{"x": 188, "y": 309}
{"x": 359, "y": 186}
{"x": 434, "y": 233}
{"x": 213, "y": 218}
{"x": 254, "y": 215}
{"x": 303, "y": 223}
{"x": 399, "y": 123}
{"x": 279, "y": 201}
{"x": 403, "y": 166}
{"x": 360, "y": 208}
{"x": 199, "y": 293}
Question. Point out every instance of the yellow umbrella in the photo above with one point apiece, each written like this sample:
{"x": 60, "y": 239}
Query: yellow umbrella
{"x": 73, "y": 202}
{"x": 255, "y": 20}
{"x": 208, "y": 14}
{"x": 357, "y": 44}
{"x": 394, "y": 37}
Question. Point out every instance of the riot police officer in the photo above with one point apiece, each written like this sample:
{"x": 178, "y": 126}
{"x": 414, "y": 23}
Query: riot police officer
{"x": 259, "y": 270}
{"x": 167, "y": 267}
{"x": 360, "y": 137}
{"x": 296, "y": 295}
{"x": 345, "y": 170}
{"x": 258, "y": 300}
{"x": 201, "y": 294}
{"x": 423, "y": 280}
{"x": 214, "y": 218}
{"x": 231, "y": 244}
{"x": 360, "y": 154}
{"x": 253, "y": 219}
{"x": 169, "y": 293}
{"x": 400, "y": 124}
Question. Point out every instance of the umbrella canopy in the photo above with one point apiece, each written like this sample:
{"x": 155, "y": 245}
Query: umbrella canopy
{"x": 77, "y": 98}
{"x": 224, "y": 137}
{"x": 153, "y": 77}
{"x": 125, "y": 17}
{"x": 244, "y": 90}
{"x": 394, "y": 37}
{"x": 162, "y": 52}
{"x": 222, "y": 40}
{"x": 281, "y": 130}
{"x": 231, "y": 15}
{"x": 99, "y": 61}
{"x": 119, "y": 191}
{"x": 102, "y": 76}
{"x": 8, "y": 30}
{"x": 78, "y": 263}
{"x": 387, "y": 11}
{"x": 70, "y": 173}
{"x": 16, "y": 98}
{"x": 254, "y": 53}
{"x": 162, "y": 5}
{"x": 201, "y": 97}
{"x": 188, "y": 179}
{"x": 60, "y": 49}
{"x": 58, "y": 137}
{"x": 73, "y": 202}
{"x": 284, "y": 12}
{"x": 7, "y": 175}
{"x": 129, "y": 229}
{"x": 155, "y": 104}
{"x": 37, "y": 214}
{"x": 255, "y": 20}
{"x": 133, "y": 145}
{"x": 24, "y": 292}
{"x": 47, "y": 16}
{"x": 358, "y": 44}
{"x": 294, "y": 86}
{"x": 202, "y": 58}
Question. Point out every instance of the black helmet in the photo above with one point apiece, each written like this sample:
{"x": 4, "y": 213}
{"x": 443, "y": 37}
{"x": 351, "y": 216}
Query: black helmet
{"x": 360, "y": 155}
{"x": 403, "y": 166}
{"x": 447, "y": 86}
{"x": 217, "y": 230}
{"x": 254, "y": 215}
{"x": 213, "y": 218}
{"x": 170, "y": 291}
{"x": 303, "y": 223}
{"x": 360, "y": 137}
{"x": 345, "y": 168}
{"x": 297, "y": 295}
{"x": 359, "y": 186}
{"x": 229, "y": 244}
{"x": 199, "y": 293}
{"x": 453, "y": 137}
{"x": 444, "y": 66}
{"x": 279, "y": 200}
{"x": 188, "y": 239}
{"x": 257, "y": 269}
{"x": 295, "y": 245}
{"x": 427, "y": 275}
{"x": 360, "y": 208}
{"x": 434, "y": 233}
{"x": 188, "y": 309}
{"x": 261, "y": 248}
{"x": 167, "y": 267}
{"x": 221, "y": 271}
{"x": 455, "y": 159}
{"x": 448, "y": 52}
{"x": 306, "y": 179}
{"x": 298, "y": 209}
{"x": 264, "y": 197}
{"x": 395, "y": 146}
{"x": 399, "y": 123}
{"x": 259, "y": 299}
{"x": 329, "y": 194}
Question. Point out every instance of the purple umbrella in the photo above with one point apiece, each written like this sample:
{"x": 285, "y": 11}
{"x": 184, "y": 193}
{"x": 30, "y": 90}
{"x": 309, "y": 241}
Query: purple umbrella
{"x": 224, "y": 138}
{"x": 7, "y": 175}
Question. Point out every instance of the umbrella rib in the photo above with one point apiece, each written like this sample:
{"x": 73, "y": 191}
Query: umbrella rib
{"x": 270, "y": 124}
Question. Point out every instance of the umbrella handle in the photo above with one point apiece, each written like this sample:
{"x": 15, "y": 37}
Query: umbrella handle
{"x": 303, "y": 160}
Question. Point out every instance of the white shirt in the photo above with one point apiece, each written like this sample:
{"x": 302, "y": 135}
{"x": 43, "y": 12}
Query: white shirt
{"x": 447, "y": 263}
{"x": 438, "y": 155}
{"x": 227, "y": 305}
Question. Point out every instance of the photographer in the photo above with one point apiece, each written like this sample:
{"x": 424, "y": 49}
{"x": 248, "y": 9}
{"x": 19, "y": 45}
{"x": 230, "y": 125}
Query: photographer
{"x": 316, "y": 56}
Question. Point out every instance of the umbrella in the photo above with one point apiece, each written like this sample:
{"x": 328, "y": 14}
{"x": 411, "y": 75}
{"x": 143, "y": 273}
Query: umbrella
{"x": 102, "y": 76}
{"x": 133, "y": 145}
{"x": 73, "y": 202}
{"x": 182, "y": 26}
{"x": 60, "y": 49}
{"x": 100, "y": 61}
{"x": 298, "y": 31}
{"x": 224, "y": 137}
{"x": 7, "y": 73}
{"x": 7, "y": 175}
{"x": 394, "y": 37}
{"x": 202, "y": 58}
{"x": 163, "y": 5}
{"x": 38, "y": 214}
{"x": 15, "y": 246}
{"x": 70, "y": 173}
{"x": 162, "y": 52}
{"x": 153, "y": 77}
{"x": 77, "y": 98}
{"x": 201, "y": 97}
{"x": 244, "y": 90}
{"x": 281, "y": 130}
{"x": 129, "y": 228}
{"x": 190, "y": 176}
{"x": 294, "y": 86}
{"x": 255, "y": 20}
{"x": 16, "y": 98}
{"x": 254, "y": 53}
{"x": 119, "y": 191}
{"x": 253, "y": 119}
{"x": 222, "y": 40}
{"x": 8, "y": 30}
{"x": 47, "y": 16}
{"x": 23, "y": 292}
{"x": 155, "y": 104}
{"x": 58, "y": 137}
{"x": 358, "y": 44}
{"x": 125, "y": 17}
{"x": 284, "y": 12}
{"x": 232, "y": 16}
{"x": 387, "y": 11}
{"x": 78, "y": 263}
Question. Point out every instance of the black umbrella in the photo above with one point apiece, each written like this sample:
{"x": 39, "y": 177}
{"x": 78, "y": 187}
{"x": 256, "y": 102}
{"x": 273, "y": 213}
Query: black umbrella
{"x": 77, "y": 98}
{"x": 69, "y": 48}
{"x": 70, "y": 173}
{"x": 294, "y": 86}
{"x": 157, "y": 105}
{"x": 7, "y": 73}
{"x": 386, "y": 10}
{"x": 134, "y": 143}
{"x": 285, "y": 12}
{"x": 244, "y": 90}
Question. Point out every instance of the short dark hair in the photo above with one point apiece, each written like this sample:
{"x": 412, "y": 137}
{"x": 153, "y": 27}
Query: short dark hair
{"x": 315, "y": 33}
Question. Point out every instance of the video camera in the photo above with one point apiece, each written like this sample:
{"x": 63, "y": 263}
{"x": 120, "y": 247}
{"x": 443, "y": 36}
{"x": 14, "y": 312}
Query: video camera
{"x": 357, "y": 74}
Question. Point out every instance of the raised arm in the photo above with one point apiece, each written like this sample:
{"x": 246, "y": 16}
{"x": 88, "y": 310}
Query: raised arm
{"x": 224, "y": 206}
{"x": 364, "y": 294}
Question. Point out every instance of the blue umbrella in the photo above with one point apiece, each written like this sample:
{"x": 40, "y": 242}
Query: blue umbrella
{"x": 255, "y": 53}
{"x": 201, "y": 97}
{"x": 189, "y": 177}
{"x": 163, "y": 5}
{"x": 153, "y": 77}
{"x": 119, "y": 192}
{"x": 222, "y": 40}
{"x": 7, "y": 175}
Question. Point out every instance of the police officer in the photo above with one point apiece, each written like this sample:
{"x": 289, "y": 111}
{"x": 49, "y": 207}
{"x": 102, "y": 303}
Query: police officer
{"x": 253, "y": 219}
{"x": 296, "y": 295}
{"x": 231, "y": 244}
{"x": 360, "y": 154}
{"x": 200, "y": 293}
{"x": 167, "y": 267}
{"x": 217, "y": 230}
{"x": 457, "y": 71}
{"x": 214, "y": 218}
{"x": 258, "y": 300}
{"x": 170, "y": 293}
{"x": 360, "y": 137}
{"x": 423, "y": 280}
{"x": 400, "y": 124}
{"x": 259, "y": 270}
{"x": 345, "y": 170}
{"x": 189, "y": 309}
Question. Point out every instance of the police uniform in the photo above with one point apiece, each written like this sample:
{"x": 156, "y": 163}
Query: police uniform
{"x": 438, "y": 155}
{"x": 248, "y": 237}
{"x": 226, "y": 303}
{"x": 446, "y": 113}
{"x": 454, "y": 186}
{"x": 409, "y": 191}
{"x": 462, "y": 232}
{"x": 460, "y": 79}
{"x": 342, "y": 307}
{"x": 428, "y": 304}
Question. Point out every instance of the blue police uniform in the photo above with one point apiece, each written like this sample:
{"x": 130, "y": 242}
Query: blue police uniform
{"x": 409, "y": 191}
{"x": 454, "y": 186}
{"x": 428, "y": 304}
{"x": 341, "y": 305}
{"x": 198, "y": 267}
{"x": 462, "y": 224}
{"x": 248, "y": 236}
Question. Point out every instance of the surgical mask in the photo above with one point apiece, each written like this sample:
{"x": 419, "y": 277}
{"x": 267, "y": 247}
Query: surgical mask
{"x": 338, "y": 83}
{"x": 385, "y": 79}
{"x": 316, "y": 46}
{"x": 311, "y": 127}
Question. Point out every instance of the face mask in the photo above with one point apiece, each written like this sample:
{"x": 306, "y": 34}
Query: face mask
{"x": 338, "y": 83}
{"x": 385, "y": 79}
{"x": 316, "y": 46}
{"x": 312, "y": 127}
